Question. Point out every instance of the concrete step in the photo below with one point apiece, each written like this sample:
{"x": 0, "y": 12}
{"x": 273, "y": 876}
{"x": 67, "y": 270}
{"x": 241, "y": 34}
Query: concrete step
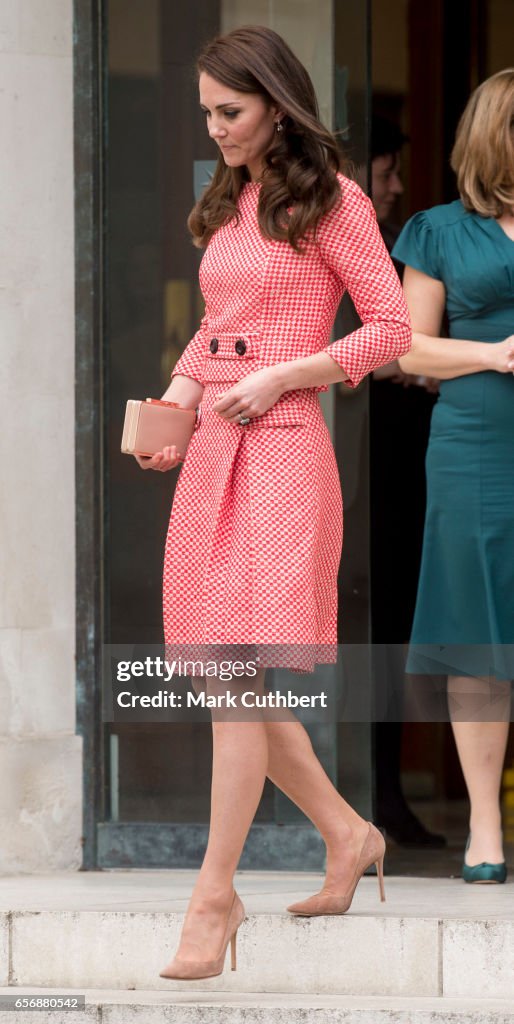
{"x": 197, "y": 1007}
{"x": 431, "y": 939}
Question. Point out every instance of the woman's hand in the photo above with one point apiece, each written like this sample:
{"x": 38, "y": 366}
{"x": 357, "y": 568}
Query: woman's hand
{"x": 252, "y": 396}
{"x": 162, "y": 461}
{"x": 500, "y": 355}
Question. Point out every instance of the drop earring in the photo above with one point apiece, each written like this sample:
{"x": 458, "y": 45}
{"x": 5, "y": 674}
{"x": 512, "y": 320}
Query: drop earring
{"x": 279, "y": 127}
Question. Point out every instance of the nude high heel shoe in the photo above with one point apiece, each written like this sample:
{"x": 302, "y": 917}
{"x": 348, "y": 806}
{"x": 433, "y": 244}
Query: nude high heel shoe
{"x": 372, "y": 852}
{"x": 190, "y": 970}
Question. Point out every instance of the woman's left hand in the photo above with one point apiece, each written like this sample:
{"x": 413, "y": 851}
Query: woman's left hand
{"x": 252, "y": 396}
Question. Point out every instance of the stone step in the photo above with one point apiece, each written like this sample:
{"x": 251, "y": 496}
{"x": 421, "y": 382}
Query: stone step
{"x": 432, "y": 938}
{"x": 193, "y": 1006}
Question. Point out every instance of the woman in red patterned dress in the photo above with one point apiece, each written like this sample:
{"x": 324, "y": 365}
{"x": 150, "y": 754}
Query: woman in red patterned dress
{"x": 255, "y": 533}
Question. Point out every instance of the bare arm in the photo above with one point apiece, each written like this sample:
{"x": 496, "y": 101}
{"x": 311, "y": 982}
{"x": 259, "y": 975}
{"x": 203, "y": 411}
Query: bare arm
{"x": 309, "y": 372}
{"x": 184, "y": 390}
{"x": 444, "y": 358}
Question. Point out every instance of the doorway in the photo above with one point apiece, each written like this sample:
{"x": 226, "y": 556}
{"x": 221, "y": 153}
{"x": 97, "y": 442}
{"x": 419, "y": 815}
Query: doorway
{"x": 155, "y": 792}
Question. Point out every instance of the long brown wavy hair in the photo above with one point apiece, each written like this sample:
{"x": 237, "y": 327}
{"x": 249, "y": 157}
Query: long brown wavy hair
{"x": 302, "y": 160}
{"x": 483, "y": 154}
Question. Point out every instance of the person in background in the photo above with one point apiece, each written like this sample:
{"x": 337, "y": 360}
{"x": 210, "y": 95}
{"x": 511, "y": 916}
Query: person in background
{"x": 400, "y": 410}
{"x": 459, "y": 260}
{"x": 386, "y": 183}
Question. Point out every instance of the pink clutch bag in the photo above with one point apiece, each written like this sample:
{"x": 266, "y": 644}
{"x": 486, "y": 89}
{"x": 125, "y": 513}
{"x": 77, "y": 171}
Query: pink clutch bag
{"x": 152, "y": 425}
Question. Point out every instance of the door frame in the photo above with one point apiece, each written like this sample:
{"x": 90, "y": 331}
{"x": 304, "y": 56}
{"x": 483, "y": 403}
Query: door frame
{"x": 107, "y": 843}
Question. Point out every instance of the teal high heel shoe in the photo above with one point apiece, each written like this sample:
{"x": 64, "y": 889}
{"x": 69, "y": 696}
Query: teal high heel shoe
{"x": 484, "y": 873}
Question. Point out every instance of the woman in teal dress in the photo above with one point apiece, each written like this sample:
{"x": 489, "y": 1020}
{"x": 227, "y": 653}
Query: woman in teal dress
{"x": 460, "y": 259}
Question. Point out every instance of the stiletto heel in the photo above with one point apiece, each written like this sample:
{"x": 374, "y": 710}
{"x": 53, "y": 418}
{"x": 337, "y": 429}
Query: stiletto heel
{"x": 372, "y": 852}
{"x": 190, "y": 970}
{"x": 380, "y": 874}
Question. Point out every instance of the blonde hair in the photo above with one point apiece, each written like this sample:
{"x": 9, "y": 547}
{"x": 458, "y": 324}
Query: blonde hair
{"x": 483, "y": 154}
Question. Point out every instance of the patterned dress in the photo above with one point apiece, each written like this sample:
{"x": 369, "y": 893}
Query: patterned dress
{"x": 255, "y": 533}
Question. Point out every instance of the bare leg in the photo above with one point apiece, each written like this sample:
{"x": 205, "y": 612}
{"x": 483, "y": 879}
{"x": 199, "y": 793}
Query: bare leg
{"x": 293, "y": 766}
{"x": 295, "y": 769}
{"x": 240, "y": 757}
{"x": 481, "y": 747}
{"x": 243, "y": 754}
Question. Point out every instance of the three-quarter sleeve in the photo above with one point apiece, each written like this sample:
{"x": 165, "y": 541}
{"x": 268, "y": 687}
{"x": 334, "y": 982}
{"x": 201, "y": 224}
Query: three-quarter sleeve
{"x": 351, "y": 244}
{"x": 192, "y": 361}
{"x": 417, "y": 247}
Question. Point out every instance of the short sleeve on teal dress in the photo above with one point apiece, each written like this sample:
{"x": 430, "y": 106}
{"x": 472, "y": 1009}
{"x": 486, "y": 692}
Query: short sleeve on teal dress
{"x": 417, "y": 246}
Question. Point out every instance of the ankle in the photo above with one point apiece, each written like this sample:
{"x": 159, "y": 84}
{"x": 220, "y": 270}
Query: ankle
{"x": 212, "y": 896}
{"x": 485, "y": 825}
{"x": 346, "y": 832}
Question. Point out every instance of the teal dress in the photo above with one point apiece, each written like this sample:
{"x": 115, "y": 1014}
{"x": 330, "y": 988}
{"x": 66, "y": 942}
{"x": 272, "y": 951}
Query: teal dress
{"x": 464, "y": 616}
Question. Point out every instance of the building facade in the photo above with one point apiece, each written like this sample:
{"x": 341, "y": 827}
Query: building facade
{"x": 106, "y": 151}
{"x": 40, "y": 751}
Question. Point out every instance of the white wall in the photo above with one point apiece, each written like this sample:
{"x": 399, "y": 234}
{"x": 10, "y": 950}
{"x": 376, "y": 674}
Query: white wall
{"x": 40, "y": 757}
{"x": 306, "y": 27}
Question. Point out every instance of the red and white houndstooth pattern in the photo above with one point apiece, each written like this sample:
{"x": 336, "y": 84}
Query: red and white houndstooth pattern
{"x": 255, "y": 533}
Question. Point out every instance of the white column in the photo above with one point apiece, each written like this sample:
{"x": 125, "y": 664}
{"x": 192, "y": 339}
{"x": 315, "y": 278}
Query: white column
{"x": 40, "y": 755}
